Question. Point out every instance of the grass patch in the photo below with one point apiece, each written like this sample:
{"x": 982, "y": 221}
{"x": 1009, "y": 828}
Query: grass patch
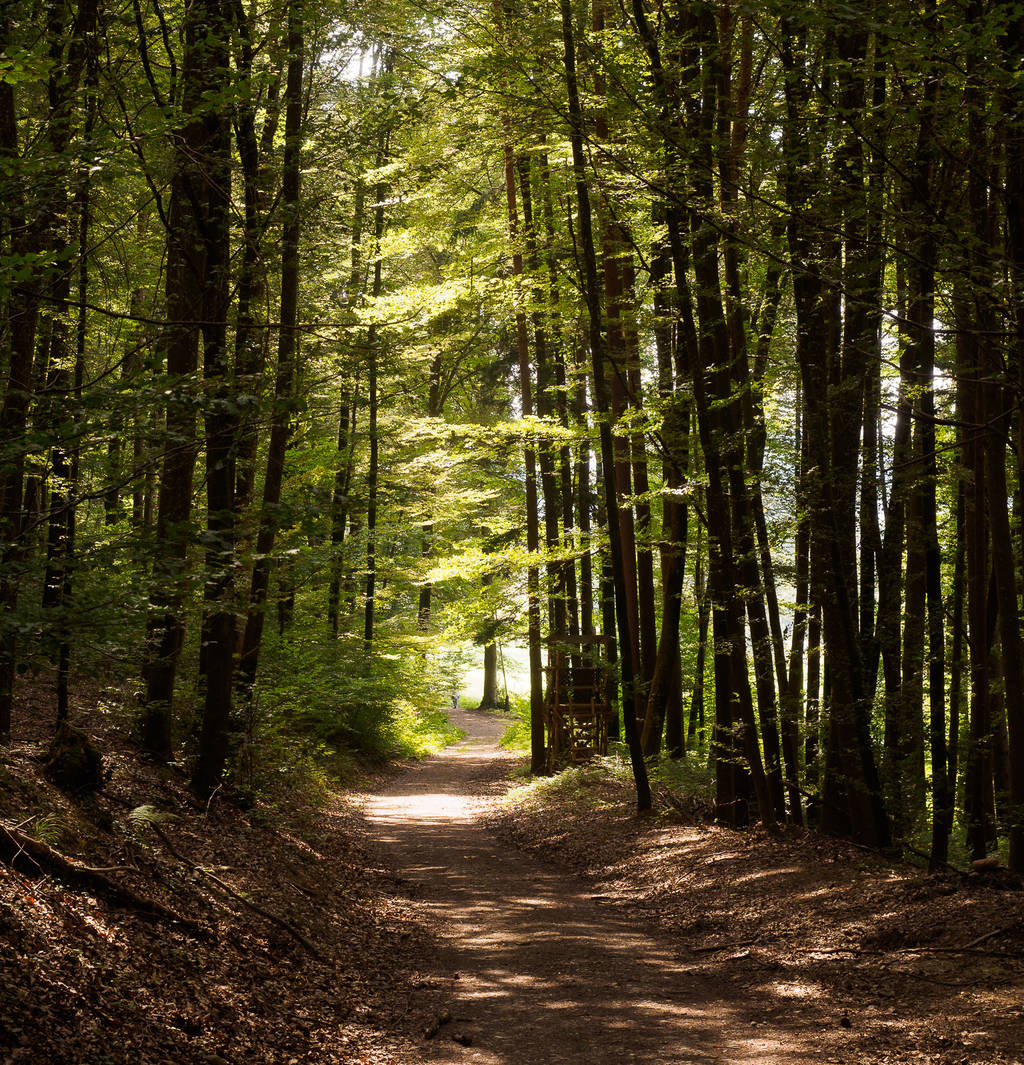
{"x": 607, "y": 780}
{"x": 516, "y": 736}
{"x": 588, "y": 785}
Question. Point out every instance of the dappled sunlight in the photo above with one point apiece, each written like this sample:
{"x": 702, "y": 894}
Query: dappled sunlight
{"x": 790, "y": 990}
{"x": 769, "y": 874}
{"x": 547, "y": 973}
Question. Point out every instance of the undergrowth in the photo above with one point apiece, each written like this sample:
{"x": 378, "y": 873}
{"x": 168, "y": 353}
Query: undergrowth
{"x": 328, "y": 713}
{"x": 516, "y": 736}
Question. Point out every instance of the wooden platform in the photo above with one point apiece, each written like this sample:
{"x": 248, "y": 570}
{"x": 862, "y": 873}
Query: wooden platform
{"x": 578, "y": 699}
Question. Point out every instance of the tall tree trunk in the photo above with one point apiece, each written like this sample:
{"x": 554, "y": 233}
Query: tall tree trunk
{"x": 556, "y": 581}
{"x": 372, "y": 373}
{"x": 252, "y": 337}
{"x": 348, "y": 409}
{"x": 1013, "y": 109}
{"x": 614, "y": 252}
{"x": 433, "y": 411}
{"x": 565, "y": 486}
{"x": 971, "y": 407}
{"x": 583, "y": 504}
{"x": 218, "y": 637}
{"x": 942, "y": 824}
{"x": 974, "y": 318}
{"x": 281, "y": 421}
{"x": 664, "y": 700}
{"x": 36, "y": 223}
{"x": 187, "y": 274}
{"x": 852, "y": 798}
{"x": 340, "y": 505}
{"x": 538, "y": 762}
{"x": 695, "y": 720}
{"x": 598, "y": 357}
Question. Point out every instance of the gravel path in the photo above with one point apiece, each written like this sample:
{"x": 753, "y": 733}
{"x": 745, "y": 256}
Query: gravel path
{"x": 541, "y": 972}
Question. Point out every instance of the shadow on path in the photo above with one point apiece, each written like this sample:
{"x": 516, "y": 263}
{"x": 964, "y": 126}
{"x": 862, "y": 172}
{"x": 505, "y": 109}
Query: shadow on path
{"x": 546, "y": 974}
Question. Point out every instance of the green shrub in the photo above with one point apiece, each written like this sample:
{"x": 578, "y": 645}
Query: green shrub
{"x": 333, "y": 701}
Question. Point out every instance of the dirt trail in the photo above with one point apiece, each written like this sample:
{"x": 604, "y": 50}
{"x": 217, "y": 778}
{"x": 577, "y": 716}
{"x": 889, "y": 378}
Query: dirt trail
{"x": 547, "y": 975}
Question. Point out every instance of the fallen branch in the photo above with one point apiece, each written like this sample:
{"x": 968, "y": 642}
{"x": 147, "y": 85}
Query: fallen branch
{"x": 993, "y": 934}
{"x": 280, "y": 922}
{"x": 881, "y": 952}
{"x": 724, "y": 946}
{"x": 18, "y": 847}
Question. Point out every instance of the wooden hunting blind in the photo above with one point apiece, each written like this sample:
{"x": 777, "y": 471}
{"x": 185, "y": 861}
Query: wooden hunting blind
{"x": 578, "y": 699}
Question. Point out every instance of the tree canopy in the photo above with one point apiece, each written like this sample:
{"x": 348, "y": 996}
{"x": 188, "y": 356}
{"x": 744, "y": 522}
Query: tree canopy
{"x": 683, "y": 343}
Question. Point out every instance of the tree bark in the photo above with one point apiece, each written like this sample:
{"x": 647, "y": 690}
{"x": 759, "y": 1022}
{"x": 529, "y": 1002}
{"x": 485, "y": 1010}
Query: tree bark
{"x": 197, "y": 145}
{"x": 218, "y": 637}
{"x": 598, "y": 358}
{"x": 281, "y": 417}
{"x": 538, "y": 751}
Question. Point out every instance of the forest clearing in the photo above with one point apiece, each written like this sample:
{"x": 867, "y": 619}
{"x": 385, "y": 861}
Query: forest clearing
{"x": 658, "y": 365}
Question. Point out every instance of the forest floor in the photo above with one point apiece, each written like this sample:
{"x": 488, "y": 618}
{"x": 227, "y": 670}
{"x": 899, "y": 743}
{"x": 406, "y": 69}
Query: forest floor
{"x": 448, "y": 916}
{"x": 211, "y": 935}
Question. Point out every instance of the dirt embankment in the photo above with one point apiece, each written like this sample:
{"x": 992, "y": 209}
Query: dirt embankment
{"x": 197, "y": 935}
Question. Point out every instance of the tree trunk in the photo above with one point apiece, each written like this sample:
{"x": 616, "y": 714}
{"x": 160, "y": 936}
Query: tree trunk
{"x": 281, "y": 421}
{"x": 1014, "y": 117}
{"x": 197, "y": 144}
{"x": 852, "y": 798}
{"x": 664, "y": 699}
{"x": 218, "y": 638}
{"x": 598, "y": 357}
{"x": 538, "y": 756}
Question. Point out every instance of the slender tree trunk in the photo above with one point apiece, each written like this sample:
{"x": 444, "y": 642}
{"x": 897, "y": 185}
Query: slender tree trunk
{"x": 538, "y": 762}
{"x": 372, "y": 473}
{"x": 556, "y": 581}
{"x": 187, "y": 275}
{"x": 974, "y": 318}
{"x": 614, "y": 252}
{"x": 583, "y": 503}
{"x": 942, "y": 824}
{"x": 433, "y": 411}
{"x": 340, "y": 506}
{"x": 251, "y": 338}
{"x": 664, "y": 701}
{"x": 695, "y": 720}
{"x": 852, "y": 798}
{"x": 348, "y": 409}
{"x": 69, "y": 560}
{"x": 1014, "y": 191}
{"x": 565, "y": 487}
{"x": 978, "y": 798}
{"x": 489, "y": 697}
{"x": 218, "y": 637}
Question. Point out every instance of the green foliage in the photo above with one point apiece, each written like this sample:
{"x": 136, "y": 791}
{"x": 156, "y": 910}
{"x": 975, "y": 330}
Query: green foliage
{"x": 686, "y": 776}
{"x": 148, "y": 814}
{"x": 54, "y": 829}
{"x": 331, "y": 699}
{"x": 588, "y": 783}
{"x": 516, "y": 736}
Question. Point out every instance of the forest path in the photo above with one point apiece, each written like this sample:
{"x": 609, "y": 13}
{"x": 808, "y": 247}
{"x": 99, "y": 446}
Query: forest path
{"x": 541, "y": 973}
